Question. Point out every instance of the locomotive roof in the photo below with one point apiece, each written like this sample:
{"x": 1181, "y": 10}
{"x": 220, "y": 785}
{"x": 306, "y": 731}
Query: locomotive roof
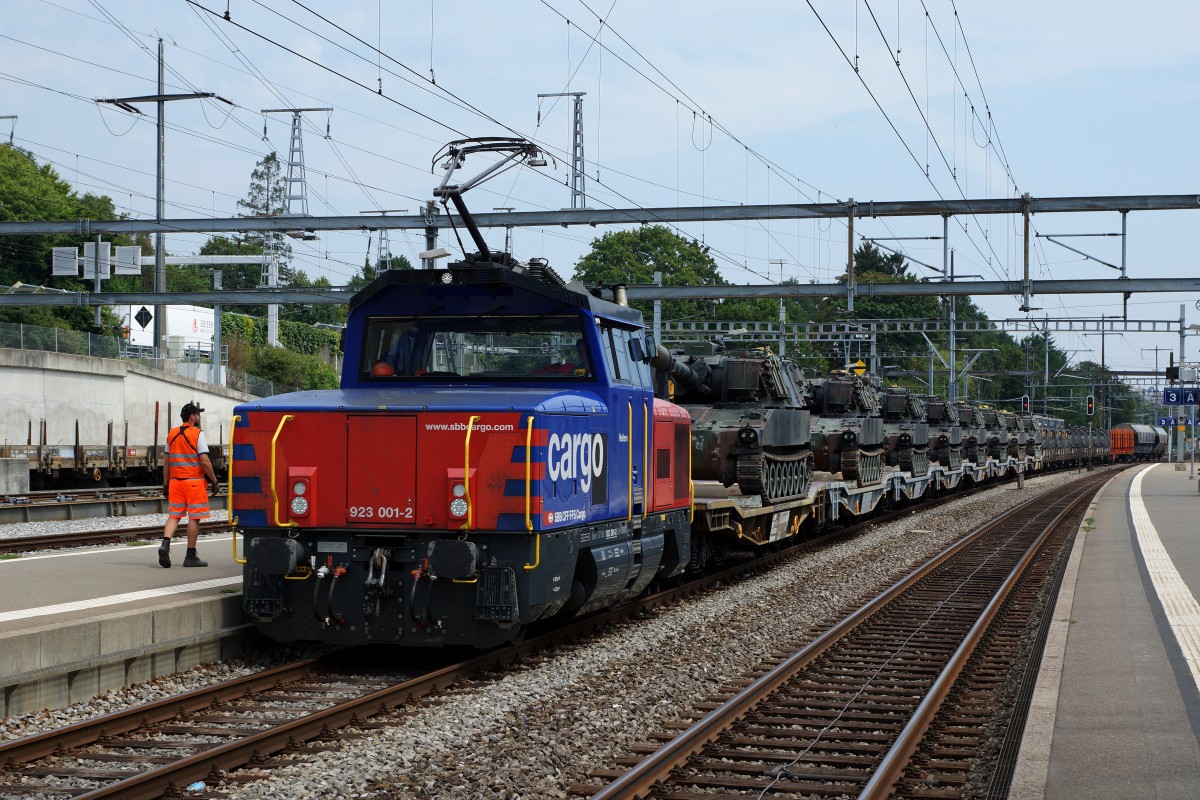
{"x": 440, "y": 398}
{"x": 492, "y": 278}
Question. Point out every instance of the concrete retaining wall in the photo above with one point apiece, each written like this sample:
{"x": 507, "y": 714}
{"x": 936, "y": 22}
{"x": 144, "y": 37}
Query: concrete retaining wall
{"x": 64, "y": 389}
{"x": 54, "y": 666}
{"x": 14, "y": 476}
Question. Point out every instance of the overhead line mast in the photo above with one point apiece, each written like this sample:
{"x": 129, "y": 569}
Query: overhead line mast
{"x": 126, "y": 104}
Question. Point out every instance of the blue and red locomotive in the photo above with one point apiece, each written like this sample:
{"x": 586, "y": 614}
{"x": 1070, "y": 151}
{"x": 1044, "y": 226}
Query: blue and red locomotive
{"x": 494, "y": 456}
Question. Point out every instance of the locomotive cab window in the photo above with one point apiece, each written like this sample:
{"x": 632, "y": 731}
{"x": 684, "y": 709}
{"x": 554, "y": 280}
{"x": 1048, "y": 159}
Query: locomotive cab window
{"x": 484, "y": 348}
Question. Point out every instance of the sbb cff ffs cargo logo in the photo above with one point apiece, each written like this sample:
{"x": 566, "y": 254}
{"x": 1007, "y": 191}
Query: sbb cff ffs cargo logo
{"x": 582, "y": 457}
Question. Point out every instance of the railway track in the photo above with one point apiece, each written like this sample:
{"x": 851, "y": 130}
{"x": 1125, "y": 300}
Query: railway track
{"x": 206, "y": 735}
{"x": 55, "y": 541}
{"x": 893, "y": 700}
{"x": 70, "y": 504}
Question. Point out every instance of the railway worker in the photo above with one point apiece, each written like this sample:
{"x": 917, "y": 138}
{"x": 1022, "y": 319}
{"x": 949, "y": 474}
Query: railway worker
{"x": 188, "y": 466}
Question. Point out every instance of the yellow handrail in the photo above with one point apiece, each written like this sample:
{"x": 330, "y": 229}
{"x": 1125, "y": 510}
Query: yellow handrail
{"x": 291, "y": 523}
{"x": 470, "y": 523}
{"x": 537, "y": 540}
{"x": 528, "y": 474}
{"x": 629, "y": 509}
{"x": 537, "y": 553}
{"x": 232, "y": 519}
{"x": 645, "y": 459}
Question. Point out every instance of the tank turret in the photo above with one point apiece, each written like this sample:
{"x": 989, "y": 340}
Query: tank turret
{"x": 848, "y": 427}
{"x": 749, "y": 421}
{"x": 905, "y": 430}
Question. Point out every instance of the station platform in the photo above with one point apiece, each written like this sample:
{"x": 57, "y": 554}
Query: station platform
{"x": 75, "y": 624}
{"x": 1116, "y": 709}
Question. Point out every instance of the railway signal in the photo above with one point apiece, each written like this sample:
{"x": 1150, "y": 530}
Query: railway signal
{"x": 1025, "y": 402}
{"x": 1091, "y": 405}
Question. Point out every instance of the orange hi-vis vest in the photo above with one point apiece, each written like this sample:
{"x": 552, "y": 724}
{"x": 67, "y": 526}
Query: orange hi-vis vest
{"x": 182, "y": 457}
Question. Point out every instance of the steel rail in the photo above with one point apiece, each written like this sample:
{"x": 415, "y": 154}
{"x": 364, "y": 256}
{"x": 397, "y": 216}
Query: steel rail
{"x": 638, "y": 781}
{"x": 897, "y": 758}
{"x": 42, "y": 745}
{"x": 55, "y": 541}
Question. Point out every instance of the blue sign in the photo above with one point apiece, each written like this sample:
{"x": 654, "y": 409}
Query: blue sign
{"x": 1181, "y": 396}
{"x": 1165, "y": 421}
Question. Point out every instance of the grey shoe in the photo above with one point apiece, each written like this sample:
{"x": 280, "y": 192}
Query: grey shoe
{"x": 194, "y": 561}
{"x": 164, "y": 553}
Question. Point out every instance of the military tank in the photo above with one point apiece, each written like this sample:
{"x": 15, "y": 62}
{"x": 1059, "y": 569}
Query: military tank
{"x": 996, "y": 435}
{"x": 905, "y": 430}
{"x": 974, "y": 432}
{"x": 1017, "y": 443}
{"x": 1033, "y": 437}
{"x": 848, "y": 427}
{"x": 750, "y": 424}
{"x": 945, "y": 432}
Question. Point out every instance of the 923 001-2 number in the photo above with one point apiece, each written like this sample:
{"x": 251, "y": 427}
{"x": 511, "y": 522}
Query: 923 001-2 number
{"x": 380, "y": 513}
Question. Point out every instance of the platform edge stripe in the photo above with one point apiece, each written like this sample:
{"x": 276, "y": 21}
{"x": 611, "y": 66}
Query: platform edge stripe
{"x": 116, "y": 599}
{"x": 1178, "y": 602}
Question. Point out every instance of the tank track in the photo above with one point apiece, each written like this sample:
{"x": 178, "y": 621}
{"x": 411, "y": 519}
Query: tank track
{"x": 775, "y": 478}
{"x": 863, "y": 466}
{"x": 914, "y": 461}
{"x": 954, "y": 458}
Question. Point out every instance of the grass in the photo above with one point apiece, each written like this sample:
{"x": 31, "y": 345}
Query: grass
{"x": 9, "y": 556}
{"x": 137, "y": 543}
{"x": 228, "y": 590}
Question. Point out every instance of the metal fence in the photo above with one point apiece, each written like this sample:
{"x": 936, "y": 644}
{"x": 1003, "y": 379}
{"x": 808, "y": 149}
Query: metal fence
{"x": 18, "y": 336}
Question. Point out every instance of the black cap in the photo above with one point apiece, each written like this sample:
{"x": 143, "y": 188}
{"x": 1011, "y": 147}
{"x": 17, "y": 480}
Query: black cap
{"x": 189, "y": 409}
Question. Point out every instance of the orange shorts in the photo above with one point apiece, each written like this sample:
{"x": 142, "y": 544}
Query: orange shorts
{"x": 188, "y": 497}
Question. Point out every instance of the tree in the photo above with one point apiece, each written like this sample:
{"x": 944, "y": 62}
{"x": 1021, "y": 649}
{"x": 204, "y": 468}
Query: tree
{"x": 267, "y": 197}
{"x": 32, "y": 192}
{"x": 370, "y": 272}
{"x": 632, "y": 257}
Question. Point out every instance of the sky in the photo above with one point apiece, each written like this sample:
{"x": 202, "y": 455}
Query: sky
{"x": 687, "y": 103}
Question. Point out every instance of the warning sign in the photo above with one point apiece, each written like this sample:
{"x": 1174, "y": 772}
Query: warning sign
{"x": 859, "y": 367}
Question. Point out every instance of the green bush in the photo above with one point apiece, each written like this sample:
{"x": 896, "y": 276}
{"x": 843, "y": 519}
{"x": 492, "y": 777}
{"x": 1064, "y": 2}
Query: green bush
{"x": 290, "y": 369}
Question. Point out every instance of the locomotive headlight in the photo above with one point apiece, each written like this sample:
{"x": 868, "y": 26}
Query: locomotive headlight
{"x": 299, "y": 505}
{"x": 459, "y": 490}
{"x": 458, "y": 507}
{"x": 747, "y": 436}
{"x": 299, "y": 487}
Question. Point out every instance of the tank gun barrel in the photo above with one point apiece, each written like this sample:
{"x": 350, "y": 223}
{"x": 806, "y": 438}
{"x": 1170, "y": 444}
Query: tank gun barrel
{"x": 685, "y": 375}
